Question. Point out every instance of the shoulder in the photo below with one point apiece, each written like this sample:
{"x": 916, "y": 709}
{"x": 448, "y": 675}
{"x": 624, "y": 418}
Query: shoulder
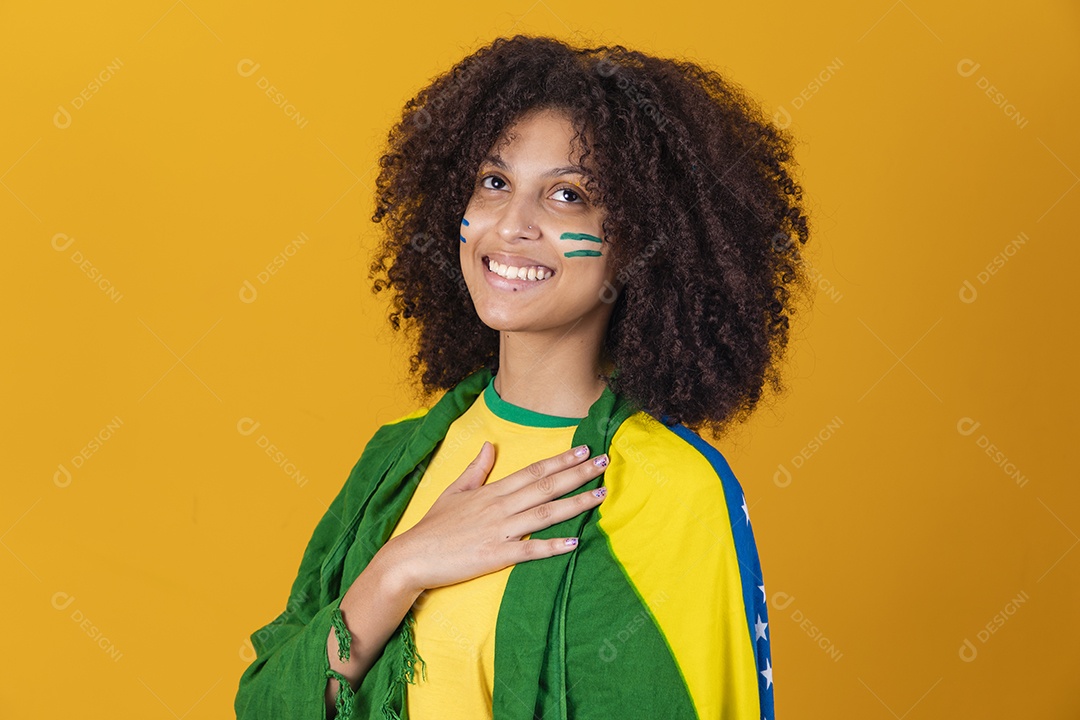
{"x": 663, "y": 458}
{"x": 400, "y": 427}
{"x": 417, "y": 413}
{"x": 384, "y": 447}
{"x": 667, "y": 481}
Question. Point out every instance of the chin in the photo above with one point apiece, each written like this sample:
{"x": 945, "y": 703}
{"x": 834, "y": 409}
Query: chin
{"x": 509, "y": 319}
{"x": 504, "y": 324}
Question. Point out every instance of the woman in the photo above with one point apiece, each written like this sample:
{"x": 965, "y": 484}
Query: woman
{"x": 594, "y": 249}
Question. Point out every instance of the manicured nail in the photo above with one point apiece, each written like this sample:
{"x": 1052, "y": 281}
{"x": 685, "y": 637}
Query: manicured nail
{"x": 582, "y": 451}
{"x": 571, "y": 541}
{"x": 600, "y": 491}
{"x": 601, "y": 461}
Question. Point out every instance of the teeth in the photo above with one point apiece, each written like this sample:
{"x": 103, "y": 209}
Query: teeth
{"x": 523, "y": 273}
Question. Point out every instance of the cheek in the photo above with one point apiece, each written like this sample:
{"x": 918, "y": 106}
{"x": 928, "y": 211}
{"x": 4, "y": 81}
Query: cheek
{"x": 580, "y": 247}
{"x": 469, "y": 227}
{"x": 589, "y": 271}
{"x": 474, "y": 223}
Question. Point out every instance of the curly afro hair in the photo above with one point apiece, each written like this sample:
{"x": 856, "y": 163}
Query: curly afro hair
{"x": 707, "y": 267}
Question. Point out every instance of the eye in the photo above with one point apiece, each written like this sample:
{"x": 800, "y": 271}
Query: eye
{"x": 576, "y": 198}
{"x": 495, "y": 178}
{"x": 570, "y": 194}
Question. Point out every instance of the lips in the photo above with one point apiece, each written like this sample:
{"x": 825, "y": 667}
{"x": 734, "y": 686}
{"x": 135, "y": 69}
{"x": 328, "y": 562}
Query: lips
{"x": 515, "y": 261}
{"x": 495, "y": 278}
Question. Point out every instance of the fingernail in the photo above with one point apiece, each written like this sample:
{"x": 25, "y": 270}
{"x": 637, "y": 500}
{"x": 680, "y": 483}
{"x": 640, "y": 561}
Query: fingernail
{"x": 600, "y": 491}
{"x": 601, "y": 461}
{"x": 571, "y": 541}
{"x": 582, "y": 451}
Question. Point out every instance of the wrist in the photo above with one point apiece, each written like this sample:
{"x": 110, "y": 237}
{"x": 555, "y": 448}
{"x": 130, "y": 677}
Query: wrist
{"x": 395, "y": 573}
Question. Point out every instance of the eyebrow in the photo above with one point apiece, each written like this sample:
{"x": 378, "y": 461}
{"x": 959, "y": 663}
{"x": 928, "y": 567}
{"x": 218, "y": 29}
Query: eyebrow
{"x": 553, "y": 172}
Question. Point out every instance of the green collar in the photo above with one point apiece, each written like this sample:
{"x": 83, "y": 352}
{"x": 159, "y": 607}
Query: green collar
{"x": 523, "y": 416}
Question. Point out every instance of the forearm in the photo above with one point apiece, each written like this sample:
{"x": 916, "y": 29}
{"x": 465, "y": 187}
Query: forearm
{"x": 372, "y": 608}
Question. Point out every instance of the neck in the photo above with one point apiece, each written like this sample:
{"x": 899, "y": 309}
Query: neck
{"x": 551, "y": 375}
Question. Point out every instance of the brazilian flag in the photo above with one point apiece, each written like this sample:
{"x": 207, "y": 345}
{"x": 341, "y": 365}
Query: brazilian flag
{"x": 659, "y": 613}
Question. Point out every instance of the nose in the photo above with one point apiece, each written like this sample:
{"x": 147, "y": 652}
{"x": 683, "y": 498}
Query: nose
{"x": 520, "y": 219}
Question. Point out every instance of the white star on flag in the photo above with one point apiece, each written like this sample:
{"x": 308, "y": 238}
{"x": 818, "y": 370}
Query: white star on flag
{"x": 759, "y": 629}
{"x": 767, "y": 672}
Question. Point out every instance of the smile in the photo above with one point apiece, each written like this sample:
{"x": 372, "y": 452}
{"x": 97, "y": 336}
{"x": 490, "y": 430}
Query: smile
{"x": 517, "y": 276}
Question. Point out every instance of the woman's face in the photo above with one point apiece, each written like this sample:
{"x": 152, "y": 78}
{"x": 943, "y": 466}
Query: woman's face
{"x": 530, "y": 210}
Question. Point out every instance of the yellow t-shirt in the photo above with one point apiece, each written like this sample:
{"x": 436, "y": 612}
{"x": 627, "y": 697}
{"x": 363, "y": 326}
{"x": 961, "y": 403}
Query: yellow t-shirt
{"x": 455, "y": 624}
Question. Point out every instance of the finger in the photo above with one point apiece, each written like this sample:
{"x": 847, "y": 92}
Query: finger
{"x": 477, "y": 471}
{"x": 551, "y": 513}
{"x": 554, "y": 486}
{"x": 536, "y": 549}
{"x": 541, "y": 468}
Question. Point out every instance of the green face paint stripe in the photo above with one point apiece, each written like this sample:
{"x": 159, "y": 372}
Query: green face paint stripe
{"x": 583, "y": 253}
{"x": 580, "y": 236}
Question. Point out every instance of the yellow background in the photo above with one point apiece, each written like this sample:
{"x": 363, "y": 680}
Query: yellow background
{"x": 889, "y": 542}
